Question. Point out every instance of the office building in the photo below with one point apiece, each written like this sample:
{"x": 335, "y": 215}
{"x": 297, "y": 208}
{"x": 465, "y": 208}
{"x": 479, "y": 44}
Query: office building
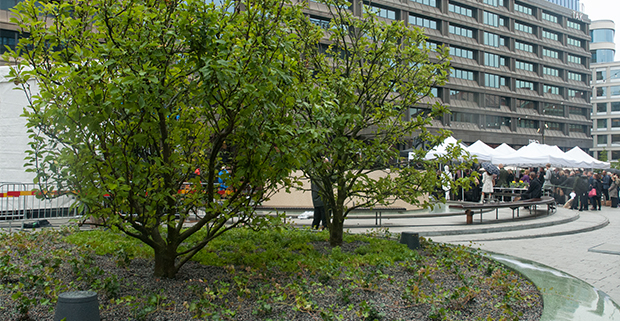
{"x": 605, "y": 91}
{"x": 570, "y": 4}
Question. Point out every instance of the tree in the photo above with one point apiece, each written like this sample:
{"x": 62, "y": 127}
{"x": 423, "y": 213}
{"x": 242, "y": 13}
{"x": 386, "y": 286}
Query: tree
{"x": 137, "y": 95}
{"x": 361, "y": 87}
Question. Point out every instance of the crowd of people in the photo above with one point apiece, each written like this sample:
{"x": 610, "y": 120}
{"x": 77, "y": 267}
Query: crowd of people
{"x": 576, "y": 189}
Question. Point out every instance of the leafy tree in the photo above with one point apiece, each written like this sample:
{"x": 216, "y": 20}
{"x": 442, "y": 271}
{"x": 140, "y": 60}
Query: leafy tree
{"x": 361, "y": 87}
{"x": 602, "y": 156}
{"x": 134, "y": 96}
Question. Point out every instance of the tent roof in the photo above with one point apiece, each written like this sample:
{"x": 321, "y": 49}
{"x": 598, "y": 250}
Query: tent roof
{"x": 441, "y": 149}
{"x": 590, "y": 161}
{"x": 536, "y": 154}
{"x": 481, "y": 150}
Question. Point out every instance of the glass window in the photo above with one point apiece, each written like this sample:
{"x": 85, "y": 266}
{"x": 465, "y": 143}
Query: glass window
{"x": 382, "y": 12}
{"x": 601, "y": 107}
{"x": 490, "y": 19}
{"x": 554, "y": 126}
{"x": 615, "y": 123}
{"x": 422, "y": 22}
{"x": 573, "y": 42}
{"x": 574, "y": 59}
{"x": 493, "y": 101}
{"x": 463, "y": 95}
{"x": 574, "y": 25}
{"x": 600, "y": 75}
{"x": 523, "y": 27}
{"x": 551, "y": 89}
{"x": 579, "y": 111}
{"x": 461, "y": 52}
{"x": 549, "y": 17}
{"x": 495, "y": 3}
{"x": 601, "y": 92}
{"x": 522, "y": 8}
{"x": 460, "y": 10}
{"x": 615, "y": 139}
{"x": 601, "y": 139}
{"x": 602, "y": 35}
{"x": 525, "y": 104}
{"x": 461, "y": 31}
{"x": 574, "y": 76}
{"x": 615, "y": 106}
{"x": 494, "y": 121}
{"x": 320, "y": 21}
{"x": 524, "y": 65}
{"x": 491, "y": 80}
{"x": 464, "y": 117}
{"x": 602, "y": 55}
{"x": 614, "y": 91}
{"x": 491, "y": 39}
{"x": 576, "y": 93}
{"x": 577, "y": 128}
{"x": 551, "y": 71}
{"x": 551, "y": 53}
{"x": 462, "y": 74}
{"x": 527, "y": 123}
{"x": 550, "y": 35}
{"x": 553, "y": 109}
{"x": 523, "y": 46}
{"x": 524, "y": 84}
{"x": 614, "y": 74}
{"x": 601, "y": 123}
{"x": 491, "y": 60}
{"x": 432, "y": 3}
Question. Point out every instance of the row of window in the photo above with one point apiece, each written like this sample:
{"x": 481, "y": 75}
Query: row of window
{"x": 614, "y": 75}
{"x": 601, "y": 124}
{"x": 494, "y": 80}
{"x": 602, "y": 107}
{"x": 615, "y": 139}
{"x": 495, "y": 122}
{"x": 601, "y": 92}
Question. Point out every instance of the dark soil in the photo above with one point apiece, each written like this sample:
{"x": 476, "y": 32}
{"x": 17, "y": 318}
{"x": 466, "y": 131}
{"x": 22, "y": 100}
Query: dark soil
{"x": 437, "y": 287}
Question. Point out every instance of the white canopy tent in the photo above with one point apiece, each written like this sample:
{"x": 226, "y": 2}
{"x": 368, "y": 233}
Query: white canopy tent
{"x": 442, "y": 148}
{"x": 539, "y": 155}
{"x": 591, "y": 162}
{"x": 481, "y": 150}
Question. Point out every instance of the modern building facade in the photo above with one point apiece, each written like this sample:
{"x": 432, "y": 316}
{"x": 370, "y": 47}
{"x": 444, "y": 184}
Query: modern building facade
{"x": 9, "y": 36}
{"x": 605, "y": 91}
{"x": 570, "y": 4}
{"x": 521, "y": 67}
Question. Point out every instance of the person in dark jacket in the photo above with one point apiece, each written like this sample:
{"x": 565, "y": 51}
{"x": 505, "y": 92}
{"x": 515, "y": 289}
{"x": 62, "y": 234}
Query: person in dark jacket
{"x": 534, "y": 190}
{"x": 319, "y": 208}
{"x": 581, "y": 189}
{"x": 606, "y": 180}
{"x": 613, "y": 190}
{"x": 598, "y": 186}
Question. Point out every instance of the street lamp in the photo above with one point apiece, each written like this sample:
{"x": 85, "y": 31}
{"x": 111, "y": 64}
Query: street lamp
{"x": 541, "y": 130}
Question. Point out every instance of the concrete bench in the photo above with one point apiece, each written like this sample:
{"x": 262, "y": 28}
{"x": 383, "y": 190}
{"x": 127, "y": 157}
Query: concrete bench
{"x": 514, "y": 206}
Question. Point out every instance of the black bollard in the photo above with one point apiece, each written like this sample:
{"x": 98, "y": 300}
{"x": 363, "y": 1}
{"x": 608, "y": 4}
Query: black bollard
{"x": 77, "y": 306}
{"x": 411, "y": 239}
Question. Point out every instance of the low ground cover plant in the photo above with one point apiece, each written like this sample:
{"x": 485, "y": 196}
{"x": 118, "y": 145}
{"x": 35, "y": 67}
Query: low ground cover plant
{"x": 276, "y": 274}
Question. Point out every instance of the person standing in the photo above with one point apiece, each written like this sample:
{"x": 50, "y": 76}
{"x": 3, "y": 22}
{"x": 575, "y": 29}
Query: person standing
{"x": 606, "y": 180}
{"x": 547, "y": 184}
{"x": 598, "y": 187}
{"x": 487, "y": 184}
{"x": 613, "y": 190}
{"x": 581, "y": 189}
{"x": 319, "y": 207}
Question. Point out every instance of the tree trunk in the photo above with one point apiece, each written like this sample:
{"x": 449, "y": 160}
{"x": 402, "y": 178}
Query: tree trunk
{"x": 336, "y": 229}
{"x": 165, "y": 258}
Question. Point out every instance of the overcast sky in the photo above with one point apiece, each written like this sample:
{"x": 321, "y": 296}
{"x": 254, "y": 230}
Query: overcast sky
{"x": 604, "y": 10}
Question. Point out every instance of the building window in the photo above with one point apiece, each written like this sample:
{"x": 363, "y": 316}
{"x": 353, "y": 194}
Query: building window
{"x": 493, "y": 101}
{"x": 491, "y": 80}
{"x": 615, "y": 140}
{"x": 490, "y": 19}
{"x": 491, "y": 60}
{"x": 614, "y": 91}
{"x": 460, "y": 31}
{"x": 493, "y": 40}
{"x": 553, "y": 109}
{"x": 554, "y": 126}
{"x": 460, "y": 10}
{"x": 382, "y": 12}
{"x": 320, "y": 21}
{"x": 524, "y": 84}
{"x": 422, "y": 22}
{"x": 495, "y": 3}
{"x": 574, "y": 76}
{"x": 574, "y": 25}
{"x": 577, "y": 128}
{"x": 461, "y": 52}
{"x": 600, "y": 75}
{"x": 551, "y": 71}
{"x": 463, "y": 95}
{"x": 522, "y": 8}
{"x": 551, "y": 53}
{"x": 462, "y": 74}
{"x": 601, "y": 92}
{"x": 528, "y": 104}
{"x": 495, "y": 122}
{"x": 522, "y": 27}
{"x": 550, "y": 35}
{"x": 432, "y": 3}
{"x": 416, "y": 111}
{"x": 573, "y": 42}
{"x": 579, "y": 111}
{"x": 574, "y": 59}
{"x": 551, "y": 89}
{"x": 524, "y": 65}
{"x": 615, "y": 123}
{"x": 601, "y": 123}
{"x": 524, "y": 46}
{"x": 601, "y": 108}
{"x": 464, "y": 117}
{"x": 549, "y": 17}
{"x": 528, "y": 123}
{"x": 615, "y": 106}
{"x": 572, "y": 93}
{"x": 601, "y": 140}
{"x": 614, "y": 74}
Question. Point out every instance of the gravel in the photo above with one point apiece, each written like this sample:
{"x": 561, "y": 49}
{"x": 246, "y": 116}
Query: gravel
{"x": 128, "y": 291}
